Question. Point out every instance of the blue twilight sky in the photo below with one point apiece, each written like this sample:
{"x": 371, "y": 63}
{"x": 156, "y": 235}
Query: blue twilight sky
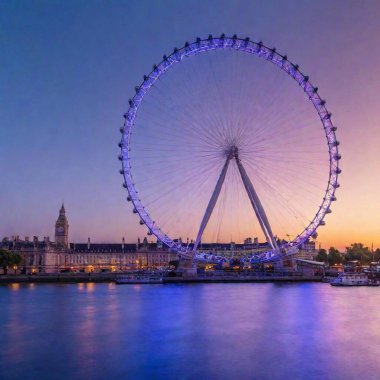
{"x": 68, "y": 68}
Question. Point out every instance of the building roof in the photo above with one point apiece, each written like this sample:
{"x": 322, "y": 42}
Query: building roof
{"x": 311, "y": 262}
{"x": 228, "y": 245}
{"x": 102, "y": 247}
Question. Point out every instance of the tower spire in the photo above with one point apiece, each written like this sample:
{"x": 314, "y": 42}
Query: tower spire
{"x": 62, "y": 228}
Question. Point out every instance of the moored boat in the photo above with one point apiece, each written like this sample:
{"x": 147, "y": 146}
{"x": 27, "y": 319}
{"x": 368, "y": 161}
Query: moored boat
{"x": 354, "y": 279}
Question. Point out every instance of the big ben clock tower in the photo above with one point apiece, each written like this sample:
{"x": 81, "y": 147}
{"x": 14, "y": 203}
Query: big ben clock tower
{"x": 62, "y": 229}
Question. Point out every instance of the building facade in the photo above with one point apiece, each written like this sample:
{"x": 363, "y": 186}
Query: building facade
{"x": 45, "y": 256}
{"x": 307, "y": 251}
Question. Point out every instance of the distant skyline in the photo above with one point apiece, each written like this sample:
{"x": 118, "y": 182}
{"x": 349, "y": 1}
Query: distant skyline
{"x": 68, "y": 69}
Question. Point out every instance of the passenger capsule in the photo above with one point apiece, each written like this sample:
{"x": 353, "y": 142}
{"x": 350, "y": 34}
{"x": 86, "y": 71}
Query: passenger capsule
{"x": 142, "y": 222}
{"x": 129, "y": 199}
{"x": 338, "y": 170}
{"x": 120, "y": 157}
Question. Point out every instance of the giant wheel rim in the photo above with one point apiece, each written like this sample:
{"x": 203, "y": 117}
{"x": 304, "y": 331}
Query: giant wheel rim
{"x": 281, "y": 61}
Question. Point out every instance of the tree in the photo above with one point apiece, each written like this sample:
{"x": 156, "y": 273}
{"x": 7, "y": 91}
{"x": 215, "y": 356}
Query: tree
{"x": 15, "y": 260}
{"x": 9, "y": 259}
{"x": 334, "y": 256}
{"x": 377, "y": 254}
{"x": 321, "y": 256}
{"x": 4, "y": 260}
{"x": 357, "y": 251}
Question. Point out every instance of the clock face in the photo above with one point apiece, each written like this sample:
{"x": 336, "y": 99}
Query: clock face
{"x": 60, "y": 229}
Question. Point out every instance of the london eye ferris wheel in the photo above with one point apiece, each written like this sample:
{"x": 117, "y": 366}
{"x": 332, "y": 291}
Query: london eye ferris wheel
{"x": 224, "y": 139}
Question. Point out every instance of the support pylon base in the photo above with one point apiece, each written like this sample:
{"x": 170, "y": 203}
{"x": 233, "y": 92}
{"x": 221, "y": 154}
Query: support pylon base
{"x": 187, "y": 268}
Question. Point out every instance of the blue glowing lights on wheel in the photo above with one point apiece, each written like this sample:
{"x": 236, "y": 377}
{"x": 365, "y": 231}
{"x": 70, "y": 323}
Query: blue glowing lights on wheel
{"x": 224, "y": 129}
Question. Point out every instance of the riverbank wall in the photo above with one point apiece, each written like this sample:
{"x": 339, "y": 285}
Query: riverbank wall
{"x": 111, "y": 277}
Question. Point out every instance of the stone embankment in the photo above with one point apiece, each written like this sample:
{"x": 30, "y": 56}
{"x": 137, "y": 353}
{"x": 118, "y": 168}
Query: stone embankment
{"x": 273, "y": 277}
{"x": 111, "y": 276}
{"x": 59, "y": 277}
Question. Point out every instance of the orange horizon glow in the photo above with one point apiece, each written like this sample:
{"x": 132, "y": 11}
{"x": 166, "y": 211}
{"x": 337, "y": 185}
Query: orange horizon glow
{"x": 63, "y": 144}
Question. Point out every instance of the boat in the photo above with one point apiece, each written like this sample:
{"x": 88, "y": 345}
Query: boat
{"x": 140, "y": 279}
{"x": 354, "y": 279}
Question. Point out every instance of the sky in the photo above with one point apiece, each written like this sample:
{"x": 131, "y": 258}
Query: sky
{"x": 68, "y": 68}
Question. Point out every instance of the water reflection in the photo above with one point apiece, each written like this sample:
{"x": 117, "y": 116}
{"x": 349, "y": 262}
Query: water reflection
{"x": 15, "y": 286}
{"x": 86, "y": 286}
{"x": 210, "y": 331}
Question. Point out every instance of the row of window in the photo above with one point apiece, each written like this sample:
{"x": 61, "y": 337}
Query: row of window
{"x": 127, "y": 259}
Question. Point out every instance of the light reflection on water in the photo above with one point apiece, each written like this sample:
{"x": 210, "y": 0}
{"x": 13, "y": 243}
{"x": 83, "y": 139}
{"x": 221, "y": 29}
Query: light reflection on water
{"x": 204, "y": 331}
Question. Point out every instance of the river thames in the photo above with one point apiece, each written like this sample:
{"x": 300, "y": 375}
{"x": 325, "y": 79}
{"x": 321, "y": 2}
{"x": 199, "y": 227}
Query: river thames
{"x": 200, "y": 331}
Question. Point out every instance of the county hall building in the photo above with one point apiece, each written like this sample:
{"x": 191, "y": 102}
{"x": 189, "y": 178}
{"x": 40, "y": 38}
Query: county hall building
{"x": 46, "y": 256}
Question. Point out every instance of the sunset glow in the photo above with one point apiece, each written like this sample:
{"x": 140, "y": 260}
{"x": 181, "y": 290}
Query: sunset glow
{"x": 60, "y": 118}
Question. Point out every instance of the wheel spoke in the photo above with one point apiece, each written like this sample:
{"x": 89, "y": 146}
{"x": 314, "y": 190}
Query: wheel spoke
{"x": 219, "y": 107}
